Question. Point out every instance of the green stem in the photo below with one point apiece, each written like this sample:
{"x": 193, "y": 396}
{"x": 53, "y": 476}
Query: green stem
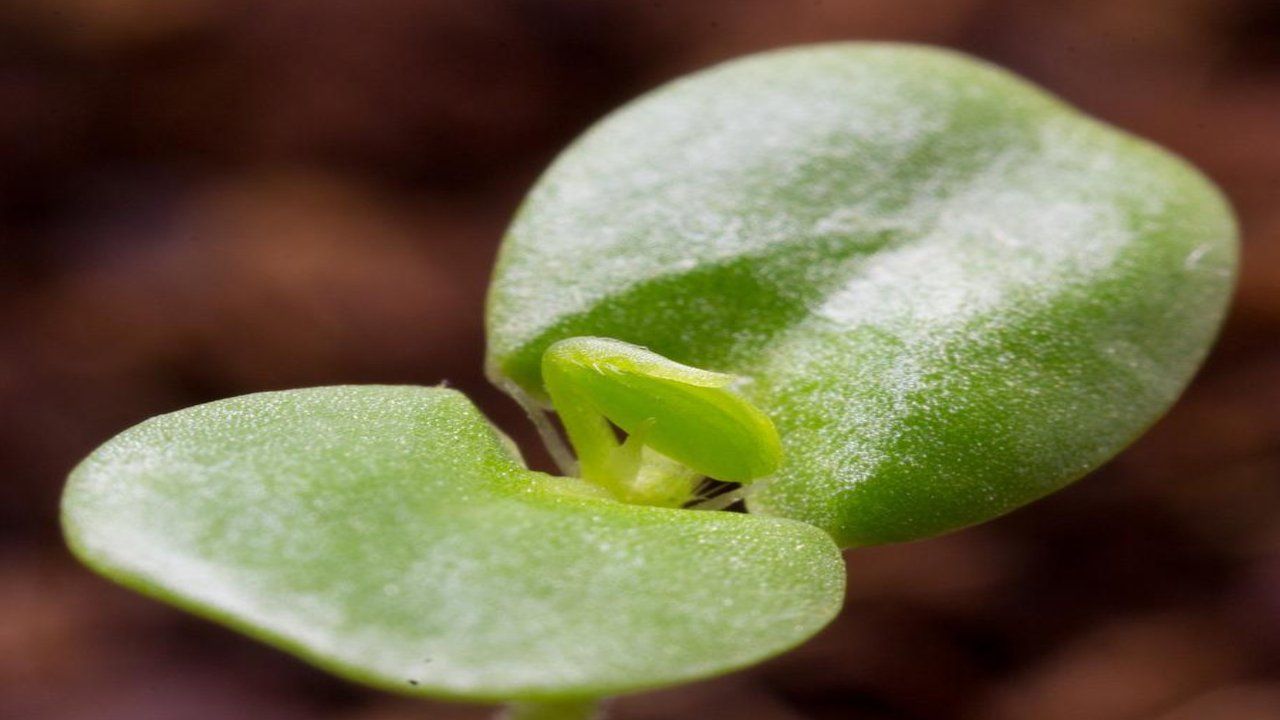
{"x": 554, "y": 710}
{"x": 563, "y": 458}
{"x": 590, "y": 433}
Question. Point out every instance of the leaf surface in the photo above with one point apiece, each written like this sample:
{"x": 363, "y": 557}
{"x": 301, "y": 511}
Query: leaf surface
{"x": 954, "y": 293}
{"x": 389, "y": 535}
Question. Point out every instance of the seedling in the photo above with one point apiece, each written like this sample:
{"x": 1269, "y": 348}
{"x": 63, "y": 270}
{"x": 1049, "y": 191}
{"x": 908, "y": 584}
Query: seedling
{"x": 881, "y": 291}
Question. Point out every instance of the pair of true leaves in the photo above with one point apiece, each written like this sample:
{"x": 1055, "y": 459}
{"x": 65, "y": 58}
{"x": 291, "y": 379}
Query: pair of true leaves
{"x": 950, "y": 293}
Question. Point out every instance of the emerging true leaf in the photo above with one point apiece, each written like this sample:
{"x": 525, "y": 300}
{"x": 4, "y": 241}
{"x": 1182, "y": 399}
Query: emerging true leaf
{"x": 690, "y": 415}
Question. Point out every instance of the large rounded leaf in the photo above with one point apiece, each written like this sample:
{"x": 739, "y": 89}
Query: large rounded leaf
{"x": 954, "y": 293}
{"x": 388, "y": 534}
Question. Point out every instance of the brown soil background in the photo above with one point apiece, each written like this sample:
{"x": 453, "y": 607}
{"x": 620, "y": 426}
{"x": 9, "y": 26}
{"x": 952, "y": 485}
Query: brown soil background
{"x": 200, "y": 199}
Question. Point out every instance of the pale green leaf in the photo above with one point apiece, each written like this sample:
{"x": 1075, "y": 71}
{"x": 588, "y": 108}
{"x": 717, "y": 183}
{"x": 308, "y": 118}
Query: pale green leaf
{"x": 389, "y": 535}
{"x": 690, "y": 415}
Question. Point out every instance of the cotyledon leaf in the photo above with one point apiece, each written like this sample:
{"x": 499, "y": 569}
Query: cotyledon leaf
{"x": 390, "y": 536}
{"x": 953, "y": 293}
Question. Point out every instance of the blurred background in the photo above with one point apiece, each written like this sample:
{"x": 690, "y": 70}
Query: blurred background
{"x": 202, "y": 198}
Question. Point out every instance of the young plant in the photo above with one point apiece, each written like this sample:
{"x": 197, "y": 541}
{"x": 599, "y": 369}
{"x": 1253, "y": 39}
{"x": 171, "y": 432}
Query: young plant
{"x": 886, "y": 291}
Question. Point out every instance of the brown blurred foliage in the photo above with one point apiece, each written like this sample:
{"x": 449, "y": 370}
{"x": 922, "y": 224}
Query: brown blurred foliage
{"x": 201, "y": 198}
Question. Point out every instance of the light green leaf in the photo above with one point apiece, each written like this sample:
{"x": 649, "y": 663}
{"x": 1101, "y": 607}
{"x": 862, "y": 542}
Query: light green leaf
{"x": 389, "y": 535}
{"x": 954, "y": 293}
{"x": 690, "y": 415}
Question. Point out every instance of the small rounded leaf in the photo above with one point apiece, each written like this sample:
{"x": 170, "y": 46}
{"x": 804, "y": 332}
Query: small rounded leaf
{"x": 953, "y": 292}
{"x": 389, "y": 535}
{"x": 690, "y": 415}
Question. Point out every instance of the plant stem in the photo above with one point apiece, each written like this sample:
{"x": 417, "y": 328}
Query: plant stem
{"x": 555, "y": 445}
{"x": 554, "y": 710}
{"x": 590, "y": 434}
